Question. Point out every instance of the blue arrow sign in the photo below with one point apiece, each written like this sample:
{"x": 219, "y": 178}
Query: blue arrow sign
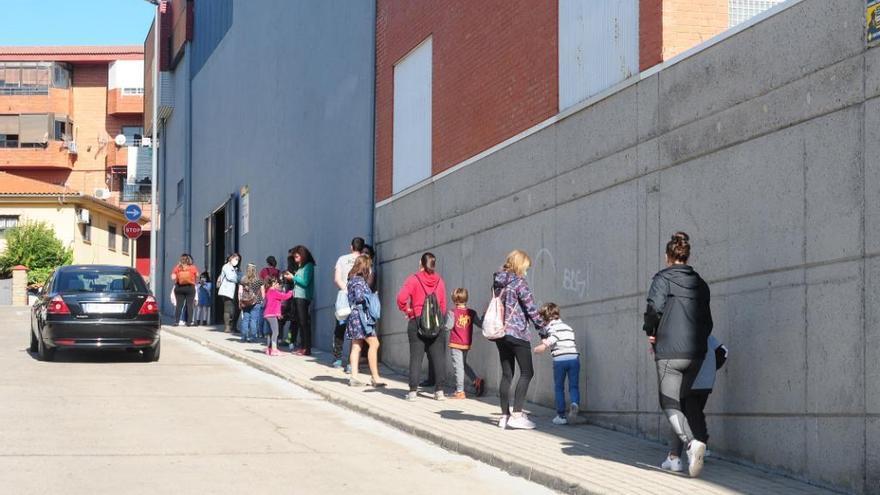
{"x": 133, "y": 212}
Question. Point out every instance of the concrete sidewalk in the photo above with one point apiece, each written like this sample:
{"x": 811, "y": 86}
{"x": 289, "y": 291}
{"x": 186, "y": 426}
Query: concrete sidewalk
{"x": 572, "y": 459}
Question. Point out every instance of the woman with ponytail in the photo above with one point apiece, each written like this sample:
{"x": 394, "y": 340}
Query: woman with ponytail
{"x": 678, "y": 322}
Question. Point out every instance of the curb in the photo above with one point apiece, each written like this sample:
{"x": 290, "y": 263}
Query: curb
{"x": 484, "y": 455}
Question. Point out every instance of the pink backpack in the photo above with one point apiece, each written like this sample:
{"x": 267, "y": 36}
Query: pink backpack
{"x": 494, "y": 323}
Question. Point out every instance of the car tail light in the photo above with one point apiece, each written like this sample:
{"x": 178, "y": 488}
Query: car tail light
{"x": 149, "y": 307}
{"x": 141, "y": 341}
{"x": 57, "y": 306}
{"x": 65, "y": 341}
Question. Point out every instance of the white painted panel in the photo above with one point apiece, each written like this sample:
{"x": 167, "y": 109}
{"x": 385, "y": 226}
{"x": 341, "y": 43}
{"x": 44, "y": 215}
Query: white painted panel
{"x": 126, "y": 74}
{"x": 598, "y": 46}
{"x": 412, "y": 118}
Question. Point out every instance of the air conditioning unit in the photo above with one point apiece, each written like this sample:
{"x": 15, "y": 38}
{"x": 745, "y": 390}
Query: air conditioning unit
{"x": 102, "y": 193}
{"x": 146, "y": 142}
{"x": 71, "y": 147}
{"x": 82, "y": 216}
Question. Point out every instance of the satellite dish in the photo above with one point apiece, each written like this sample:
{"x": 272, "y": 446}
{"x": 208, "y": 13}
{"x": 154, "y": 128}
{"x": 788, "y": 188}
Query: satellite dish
{"x": 119, "y": 140}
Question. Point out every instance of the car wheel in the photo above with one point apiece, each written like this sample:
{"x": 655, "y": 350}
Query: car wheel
{"x": 34, "y": 347}
{"x": 152, "y": 353}
{"x": 45, "y": 352}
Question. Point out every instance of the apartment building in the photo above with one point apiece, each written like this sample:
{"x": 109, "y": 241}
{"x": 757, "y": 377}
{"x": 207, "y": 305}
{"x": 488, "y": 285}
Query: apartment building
{"x": 72, "y": 117}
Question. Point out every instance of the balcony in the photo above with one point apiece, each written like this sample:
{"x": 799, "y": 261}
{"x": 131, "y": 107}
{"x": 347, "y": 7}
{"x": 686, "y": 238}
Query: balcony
{"x": 53, "y": 156}
{"x": 135, "y": 193}
{"x": 125, "y": 101}
{"x": 55, "y": 100}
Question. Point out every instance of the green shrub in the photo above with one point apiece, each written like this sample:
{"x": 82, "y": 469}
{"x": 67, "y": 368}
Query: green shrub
{"x": 34, "y": 245}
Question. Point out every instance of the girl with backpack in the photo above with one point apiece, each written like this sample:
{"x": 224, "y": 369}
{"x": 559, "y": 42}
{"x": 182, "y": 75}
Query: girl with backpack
{"x": 514, "y": 346}
{"x": 251, "y": 293}
{"x": 303, "y": 280}
{"x": 422, "y": 299}
{"x": 184, "y": 276}
{"x": 678, "y": 322}
{"x": 360, "y": 327}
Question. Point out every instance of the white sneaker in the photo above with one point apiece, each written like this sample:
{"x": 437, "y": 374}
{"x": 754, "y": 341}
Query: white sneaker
{"x": 521, "y": 422}
{"x": 411, "y": 396}
{"x": 672, "y": 464}
{"x": 439, "y": 395}
{"x": 573, "y": 411}
{"x": 559, "y": 420}
{"x": 696, "y": 453}
{"x": 502, "y": 423}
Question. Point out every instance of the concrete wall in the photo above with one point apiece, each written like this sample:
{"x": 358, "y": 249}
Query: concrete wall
{"x": 284, "y": 105}
{"x": 762, "y": 147}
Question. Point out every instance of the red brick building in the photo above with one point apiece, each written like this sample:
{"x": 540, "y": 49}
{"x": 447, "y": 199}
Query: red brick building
{"x": 62, "y": 110}
{"x": 492, "y": 69}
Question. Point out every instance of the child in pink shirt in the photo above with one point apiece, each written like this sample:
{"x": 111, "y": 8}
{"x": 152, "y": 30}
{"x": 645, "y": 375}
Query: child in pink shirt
{"x": 272, "y": 311}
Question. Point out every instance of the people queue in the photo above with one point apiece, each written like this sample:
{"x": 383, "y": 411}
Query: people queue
{"x": 677, "y": 322}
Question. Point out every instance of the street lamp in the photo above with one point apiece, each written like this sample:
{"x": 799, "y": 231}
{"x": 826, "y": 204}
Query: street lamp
{"x": 154, "y": 142}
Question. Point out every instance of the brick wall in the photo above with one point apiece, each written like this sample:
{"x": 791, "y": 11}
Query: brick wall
{"x": 650, "y": 33}
{"x": 495, "y": 73}
{"x": 687, "y": 23}
{"x": 57, "y": 101}
{"x": 90, "y": 127}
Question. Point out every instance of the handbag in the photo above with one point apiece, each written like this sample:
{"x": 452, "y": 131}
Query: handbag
{"x": 342, "y": 308}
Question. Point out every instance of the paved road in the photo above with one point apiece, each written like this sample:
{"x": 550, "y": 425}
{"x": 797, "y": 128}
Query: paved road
{"x": 196, "y": 422}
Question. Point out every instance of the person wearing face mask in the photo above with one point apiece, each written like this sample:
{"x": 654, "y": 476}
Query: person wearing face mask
{"x": 228, "y": 290}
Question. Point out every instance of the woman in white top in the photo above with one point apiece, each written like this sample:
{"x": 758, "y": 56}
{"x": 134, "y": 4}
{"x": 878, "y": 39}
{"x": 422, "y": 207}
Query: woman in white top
{"x": 227, "y": 285}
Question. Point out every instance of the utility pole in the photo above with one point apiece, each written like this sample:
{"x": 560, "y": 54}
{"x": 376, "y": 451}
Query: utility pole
{"x": 154, "y": 143}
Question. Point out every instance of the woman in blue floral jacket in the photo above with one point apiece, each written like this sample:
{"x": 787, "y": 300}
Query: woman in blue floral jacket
{"x": 355, "y": 329}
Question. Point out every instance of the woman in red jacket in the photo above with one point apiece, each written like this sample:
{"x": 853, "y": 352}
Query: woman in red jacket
{"x": 411, "y": 300}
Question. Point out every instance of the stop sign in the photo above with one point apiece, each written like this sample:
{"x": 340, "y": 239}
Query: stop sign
{"x": 132, "y": 230}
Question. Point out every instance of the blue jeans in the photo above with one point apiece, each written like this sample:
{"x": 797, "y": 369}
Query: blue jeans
{"x": 250, "y": 322}
{"x": 570, "y": 367}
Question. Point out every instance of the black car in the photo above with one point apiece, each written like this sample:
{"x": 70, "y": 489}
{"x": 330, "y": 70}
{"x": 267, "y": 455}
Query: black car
{"x": 95, "y": 307}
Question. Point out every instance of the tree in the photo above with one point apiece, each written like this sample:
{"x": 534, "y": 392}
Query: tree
{"x": 34, "y": 245}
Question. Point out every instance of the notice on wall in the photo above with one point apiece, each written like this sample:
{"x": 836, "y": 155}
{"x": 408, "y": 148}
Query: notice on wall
{"x": 245, "y": 209}
{"x": 872, "y": 16}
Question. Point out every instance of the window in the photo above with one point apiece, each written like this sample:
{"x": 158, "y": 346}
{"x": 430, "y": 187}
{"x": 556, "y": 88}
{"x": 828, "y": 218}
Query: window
{"x": 117, "y": 178}
{"x": 132, "y": 91}
{"x": 25, "y": 78}
{"x": 411, "y": 154}
{"x": 743, "y": 10}
{"x": 60, "y": 76}
{"x": 111, "y": 237}
{"x": 62, "y": 130}
{"x": 133, "y": 134}
{"x": 86, "y": 230}
{"x": 7, "y": 222}
{"x": 99, "y": 280}
{"x": 8, "y": 140}
{"x": 180, "y": 192}
{"x": 125, "y": 245}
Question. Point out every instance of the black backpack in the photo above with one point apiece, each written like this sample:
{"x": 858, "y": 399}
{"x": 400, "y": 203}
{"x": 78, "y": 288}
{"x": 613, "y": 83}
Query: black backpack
{"x": 430, "y": 322}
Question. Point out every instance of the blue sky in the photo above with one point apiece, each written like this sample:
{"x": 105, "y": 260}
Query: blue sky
{"x": 74, "y": 22}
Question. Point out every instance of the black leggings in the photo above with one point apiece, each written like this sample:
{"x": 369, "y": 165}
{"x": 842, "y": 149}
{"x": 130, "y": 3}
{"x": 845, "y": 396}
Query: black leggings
{"x": 418, "y": 347}
{"x": 302, "y": 323}
{"x": 674, "y": 380}
{"x": 513, "y": 350}
{"x": 185, "y": 296}
{"x": 693, "y": 406}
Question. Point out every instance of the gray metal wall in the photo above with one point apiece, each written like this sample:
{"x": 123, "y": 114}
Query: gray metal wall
{"x": 284, "y": 105}
{"x": 764, "y": 148}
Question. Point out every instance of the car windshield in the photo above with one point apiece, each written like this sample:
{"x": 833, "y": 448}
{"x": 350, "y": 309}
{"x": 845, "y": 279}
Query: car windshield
{"x": 99, "y": 281}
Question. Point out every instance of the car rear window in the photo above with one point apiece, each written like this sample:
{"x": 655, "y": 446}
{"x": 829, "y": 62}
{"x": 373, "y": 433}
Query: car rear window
{"x": 99, "y": 281}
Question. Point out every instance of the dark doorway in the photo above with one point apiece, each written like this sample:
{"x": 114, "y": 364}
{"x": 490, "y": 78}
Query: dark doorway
{"x": 221, "y": 240}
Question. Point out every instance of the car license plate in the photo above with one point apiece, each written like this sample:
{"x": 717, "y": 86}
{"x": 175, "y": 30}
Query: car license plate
{"x": 101, "y": 308}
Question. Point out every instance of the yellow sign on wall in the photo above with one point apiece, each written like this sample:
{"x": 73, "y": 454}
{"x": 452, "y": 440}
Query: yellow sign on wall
{"x": 872, "y": 16}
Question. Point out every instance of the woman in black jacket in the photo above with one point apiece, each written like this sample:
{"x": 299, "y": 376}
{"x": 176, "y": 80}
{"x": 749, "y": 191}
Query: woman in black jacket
{"x": 678, "y": 322}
